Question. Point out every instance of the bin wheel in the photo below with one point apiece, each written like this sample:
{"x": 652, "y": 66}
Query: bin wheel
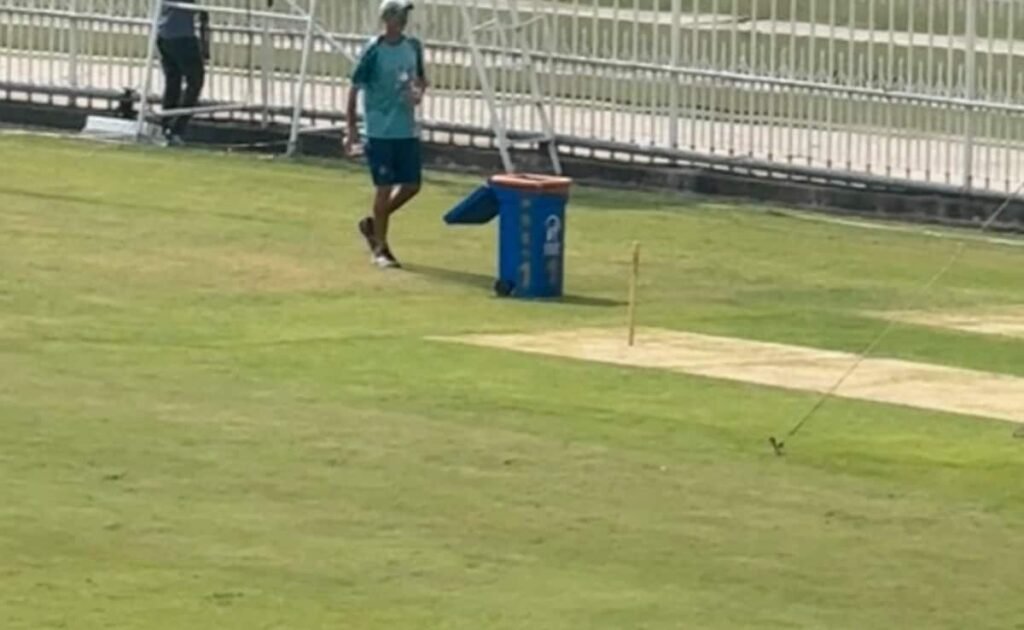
{"x": 502, "y": 288}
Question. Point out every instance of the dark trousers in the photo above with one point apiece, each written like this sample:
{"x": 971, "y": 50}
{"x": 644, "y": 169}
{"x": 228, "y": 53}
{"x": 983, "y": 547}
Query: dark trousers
{"x": 181, "y": 58}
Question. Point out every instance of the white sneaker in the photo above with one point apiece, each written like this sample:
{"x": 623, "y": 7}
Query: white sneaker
{"x": 385, "y": 259}
{"x": 383, "y": 262}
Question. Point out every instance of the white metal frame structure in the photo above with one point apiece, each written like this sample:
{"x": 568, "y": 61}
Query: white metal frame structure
{"x": 498, "y": 101}
{"x": 306, "y": 18}
{"x": 880, "y": 93}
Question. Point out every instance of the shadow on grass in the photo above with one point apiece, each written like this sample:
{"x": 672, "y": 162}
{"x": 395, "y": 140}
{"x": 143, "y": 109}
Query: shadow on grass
{"x": 486, "y": 283}
{"x": 452, "y": 276}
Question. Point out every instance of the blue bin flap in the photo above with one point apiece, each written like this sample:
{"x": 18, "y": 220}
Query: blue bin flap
{"x": 479, "y": 207}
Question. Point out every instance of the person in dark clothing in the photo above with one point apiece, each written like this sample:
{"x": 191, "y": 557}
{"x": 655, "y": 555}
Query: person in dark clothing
{"x": 182, "y": 56}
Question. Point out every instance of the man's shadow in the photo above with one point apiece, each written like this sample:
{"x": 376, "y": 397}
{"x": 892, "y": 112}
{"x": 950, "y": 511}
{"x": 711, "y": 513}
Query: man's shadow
{"x": 486, "y": 283}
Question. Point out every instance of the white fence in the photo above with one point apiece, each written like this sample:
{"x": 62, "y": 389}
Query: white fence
{"x": 927, "y": 91}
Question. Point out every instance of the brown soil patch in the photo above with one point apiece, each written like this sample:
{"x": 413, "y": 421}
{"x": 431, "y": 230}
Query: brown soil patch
{"x": 933, "y": 387}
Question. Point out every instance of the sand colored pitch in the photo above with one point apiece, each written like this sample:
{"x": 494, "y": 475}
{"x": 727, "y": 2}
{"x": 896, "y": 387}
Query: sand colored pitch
{"x": 924, "y": 386}
{"x": 1008, "y": 322}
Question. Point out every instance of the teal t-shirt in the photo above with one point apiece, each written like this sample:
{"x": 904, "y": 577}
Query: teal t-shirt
{"x": 385, "y": 73}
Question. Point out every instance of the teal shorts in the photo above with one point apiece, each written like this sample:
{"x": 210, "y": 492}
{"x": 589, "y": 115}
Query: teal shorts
{"x": 394, "y": 162}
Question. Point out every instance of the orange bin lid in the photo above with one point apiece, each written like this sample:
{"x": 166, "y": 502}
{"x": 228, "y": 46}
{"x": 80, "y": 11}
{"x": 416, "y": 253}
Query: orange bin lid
{"x": 533, "y": 182}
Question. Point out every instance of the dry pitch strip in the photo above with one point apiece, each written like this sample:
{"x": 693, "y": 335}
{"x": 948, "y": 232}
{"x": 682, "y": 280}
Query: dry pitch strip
{"x": 883, "y": 380}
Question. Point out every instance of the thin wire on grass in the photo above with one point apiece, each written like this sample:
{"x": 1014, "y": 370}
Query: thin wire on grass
{"x": 779, "y": 445}
{"x": 953, "y": 233}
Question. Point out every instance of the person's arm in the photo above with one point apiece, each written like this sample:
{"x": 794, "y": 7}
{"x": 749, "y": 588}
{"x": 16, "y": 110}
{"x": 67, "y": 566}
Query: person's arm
{"x": 421, "y": 81}
{"x": 351, "y": 112}
{"x": 361, "y": 76}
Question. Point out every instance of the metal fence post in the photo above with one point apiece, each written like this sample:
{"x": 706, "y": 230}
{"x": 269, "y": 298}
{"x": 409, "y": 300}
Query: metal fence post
{"x": 299, "y": 91}
{"x": 972, "y": 92}
{"x": 266, "y": 70}
{"x": 73, "y": 47}
{"x": 675, "y": 33}
{"x": 147, "y": 70}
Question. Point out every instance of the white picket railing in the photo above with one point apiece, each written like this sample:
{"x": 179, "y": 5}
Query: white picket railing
{"x": 928, "y": 91}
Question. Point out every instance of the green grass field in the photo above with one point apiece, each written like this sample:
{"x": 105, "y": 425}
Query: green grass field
{"x": 215, "y": 414}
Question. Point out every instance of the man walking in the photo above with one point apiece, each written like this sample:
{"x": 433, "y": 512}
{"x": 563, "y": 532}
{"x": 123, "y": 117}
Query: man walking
{"x": 181, "y": 55}
{"x": 391, "y": 76}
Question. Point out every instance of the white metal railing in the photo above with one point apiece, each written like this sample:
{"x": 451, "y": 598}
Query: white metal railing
{"x": 930, "y": 91}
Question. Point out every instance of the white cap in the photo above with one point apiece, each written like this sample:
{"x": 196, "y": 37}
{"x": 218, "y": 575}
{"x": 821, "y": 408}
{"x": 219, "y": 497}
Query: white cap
{"x": 394, "y": 5}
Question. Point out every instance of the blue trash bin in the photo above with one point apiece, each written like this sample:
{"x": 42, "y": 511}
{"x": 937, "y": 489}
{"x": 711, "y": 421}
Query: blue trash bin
{"x": 531, "y": 231}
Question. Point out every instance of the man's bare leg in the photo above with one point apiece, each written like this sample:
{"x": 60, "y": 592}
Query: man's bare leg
{"x": 401, "y": 196}
{"x": 381, "y": 212}
{"x": 396, "y": 197}
{"x": 387, "y": 201}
